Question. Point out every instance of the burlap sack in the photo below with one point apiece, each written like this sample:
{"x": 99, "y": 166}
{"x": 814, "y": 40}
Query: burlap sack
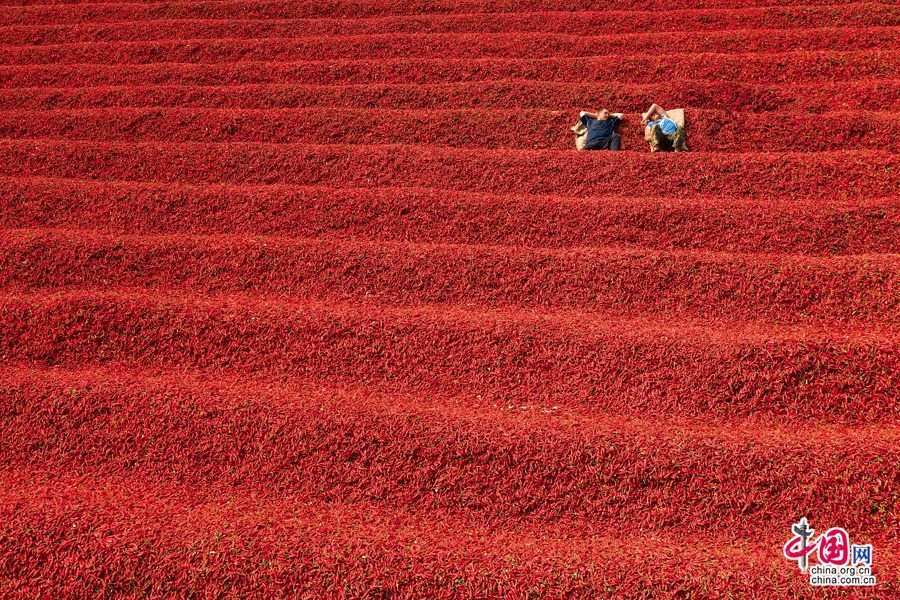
{"x": 580, "y": 135}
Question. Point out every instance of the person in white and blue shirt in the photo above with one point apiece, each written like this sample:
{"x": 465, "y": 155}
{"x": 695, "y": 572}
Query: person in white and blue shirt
{"x": 663, "y": 133}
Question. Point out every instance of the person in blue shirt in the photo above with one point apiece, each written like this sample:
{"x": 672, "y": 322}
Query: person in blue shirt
{"x": 662, "y": 132}
{"x": 601, "y": 130}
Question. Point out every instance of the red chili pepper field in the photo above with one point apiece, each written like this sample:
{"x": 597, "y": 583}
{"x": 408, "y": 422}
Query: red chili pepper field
{"x": 316, "y": 299}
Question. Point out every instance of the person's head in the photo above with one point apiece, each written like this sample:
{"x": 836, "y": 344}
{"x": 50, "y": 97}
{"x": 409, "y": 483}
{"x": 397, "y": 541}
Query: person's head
{"x": 653, "y": 117}
{"x": 603, "y": 114}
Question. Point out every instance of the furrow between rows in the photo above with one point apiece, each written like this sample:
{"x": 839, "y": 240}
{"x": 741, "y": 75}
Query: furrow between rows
{"x": 292, "y": 9}
{"x": 708, "y": 130}
{"x": 451, "y": 46}
{"x": 644, "y": 366}
{"x": 873, "y": 95}
{"x": 631, "y": 282}
{"x": 798, "y": 175}
{"x": 859, "y": 225}
{"x": 767, "y": 68}
{"x": 144, "y": 535}
{"x": 431, "y": 453}
{"x": 573, "y": 23}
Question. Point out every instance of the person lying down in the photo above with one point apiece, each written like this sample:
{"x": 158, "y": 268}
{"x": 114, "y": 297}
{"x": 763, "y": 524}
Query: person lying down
{"x": 601, "y": 130}
{"x": 662, "y": 131}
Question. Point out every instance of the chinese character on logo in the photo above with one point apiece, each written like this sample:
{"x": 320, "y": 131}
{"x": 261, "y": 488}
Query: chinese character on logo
{"x": 834, "y": 547}
{"x": 862, "y": 554}
{"x": 797, "y": 548}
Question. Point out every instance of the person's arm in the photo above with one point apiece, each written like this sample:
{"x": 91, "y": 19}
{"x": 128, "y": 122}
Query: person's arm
{"x": 654, "y": 109}
{"x": 586, "y": 118}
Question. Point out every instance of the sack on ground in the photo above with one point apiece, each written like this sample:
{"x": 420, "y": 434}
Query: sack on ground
{"x": 580, "y": 135}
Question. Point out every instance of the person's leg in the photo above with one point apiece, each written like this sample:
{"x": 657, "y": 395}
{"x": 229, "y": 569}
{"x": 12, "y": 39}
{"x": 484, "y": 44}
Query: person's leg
{"x": 662, "y": 142}
{"x": 615, "y": 142}
{"x": 678, "y": 140}
{"x": 656, "y": 138}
